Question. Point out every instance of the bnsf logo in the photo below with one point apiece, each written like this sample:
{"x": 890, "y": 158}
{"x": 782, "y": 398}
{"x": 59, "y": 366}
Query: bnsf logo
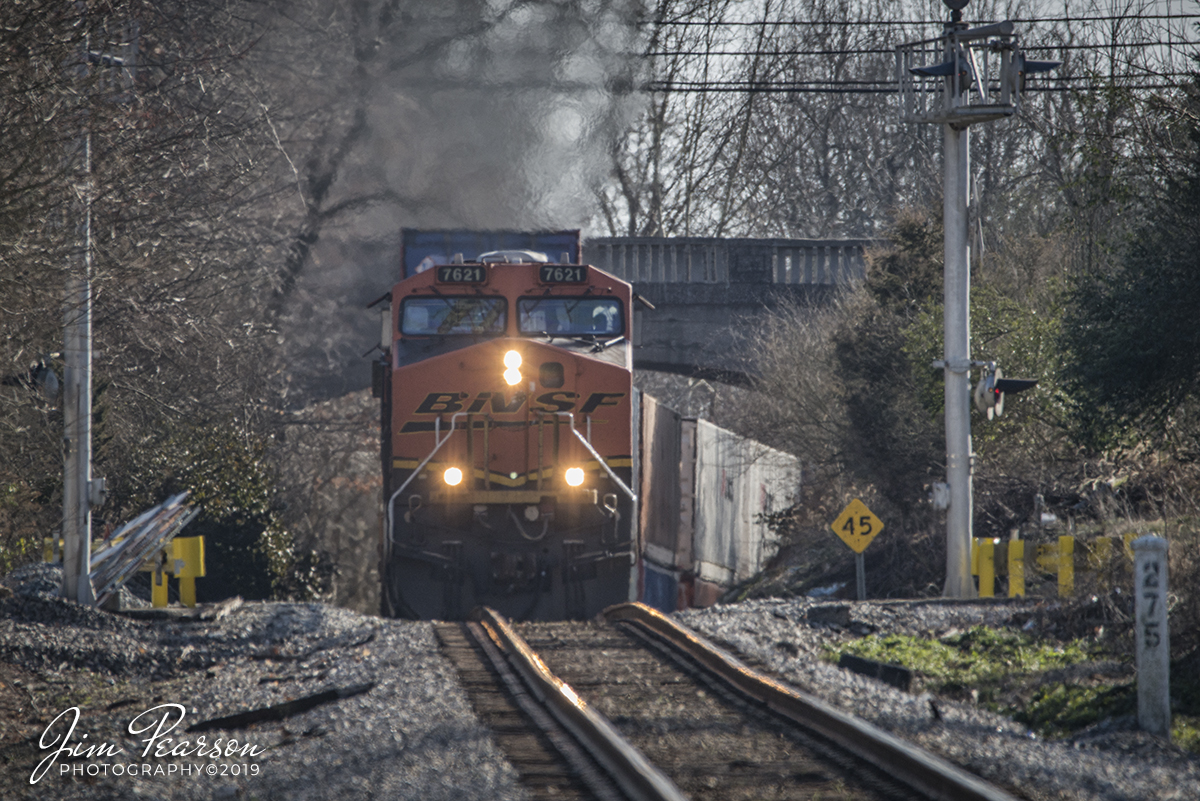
{"x": 495, "y": 402}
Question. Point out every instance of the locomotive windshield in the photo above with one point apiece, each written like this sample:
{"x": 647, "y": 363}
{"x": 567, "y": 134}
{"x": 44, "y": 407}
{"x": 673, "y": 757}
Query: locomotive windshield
{"x": 570, "y": 316}
{"x": 448, "y": 315}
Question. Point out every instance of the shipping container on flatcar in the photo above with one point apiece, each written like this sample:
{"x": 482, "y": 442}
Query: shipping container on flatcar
{"x": 705, "y": 494}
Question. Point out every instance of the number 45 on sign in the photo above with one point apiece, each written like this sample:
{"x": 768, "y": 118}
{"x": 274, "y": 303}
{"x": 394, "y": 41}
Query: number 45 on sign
{"x": 857, "y": 525}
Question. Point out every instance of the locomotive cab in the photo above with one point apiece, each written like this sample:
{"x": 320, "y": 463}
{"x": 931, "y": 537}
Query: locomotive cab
{"x": 508, "y": 450}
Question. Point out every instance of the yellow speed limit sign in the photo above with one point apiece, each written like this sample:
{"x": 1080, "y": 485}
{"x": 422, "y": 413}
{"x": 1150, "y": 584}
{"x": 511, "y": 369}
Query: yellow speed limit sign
{"x": 857, "y": 525}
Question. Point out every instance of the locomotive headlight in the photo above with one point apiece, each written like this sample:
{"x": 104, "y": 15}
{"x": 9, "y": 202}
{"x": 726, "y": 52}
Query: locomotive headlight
{"x": 453, "y": 476}
{"x": 574, "y": 476}
{"x": 512, "y": 360}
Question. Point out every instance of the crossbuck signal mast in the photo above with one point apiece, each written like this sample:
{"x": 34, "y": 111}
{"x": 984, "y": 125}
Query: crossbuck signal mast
{"x": 965, "y": 76}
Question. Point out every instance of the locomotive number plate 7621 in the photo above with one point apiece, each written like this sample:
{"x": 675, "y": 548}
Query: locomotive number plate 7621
{"x": 560, "y": 274}
{"x": 461, "y": 274}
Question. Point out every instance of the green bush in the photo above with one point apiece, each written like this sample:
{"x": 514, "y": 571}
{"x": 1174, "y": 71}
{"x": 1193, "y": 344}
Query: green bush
{"x": 224, "y": 468}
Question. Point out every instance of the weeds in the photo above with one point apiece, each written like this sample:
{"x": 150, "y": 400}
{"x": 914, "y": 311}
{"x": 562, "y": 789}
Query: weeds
{"x": 1059, "y": 709}
{"x": 980, "y": 662}
{"x": 1057, "y": 689}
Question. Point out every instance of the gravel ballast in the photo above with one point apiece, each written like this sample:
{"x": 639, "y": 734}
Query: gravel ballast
{"x": 405, "y": 729}
{"x": 1110, "y": 762}
{"x": 411, "y": 735}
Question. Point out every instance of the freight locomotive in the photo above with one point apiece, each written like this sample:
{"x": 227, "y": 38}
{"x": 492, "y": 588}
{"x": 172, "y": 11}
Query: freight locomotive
{"x": 508, "y": 432}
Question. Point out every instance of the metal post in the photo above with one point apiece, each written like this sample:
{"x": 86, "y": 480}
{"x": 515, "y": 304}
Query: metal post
{"x": 957, "y": 330}
{"x": 860, "y": 570}
{"x": 960, "y": 72}
{"x": 1153, "y": 643}
{"x": 77, "y": 403}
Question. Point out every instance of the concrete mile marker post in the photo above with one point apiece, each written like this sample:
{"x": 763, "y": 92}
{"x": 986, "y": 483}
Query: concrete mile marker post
{"x": 1153, "y": 642}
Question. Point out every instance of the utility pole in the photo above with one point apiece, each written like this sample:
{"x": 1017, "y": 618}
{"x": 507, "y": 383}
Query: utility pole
{"x": 979, "y": 78}
{"x": 77, "y": 387}
{"x": 80, "y": 491}
{"x": 956, "y": 354}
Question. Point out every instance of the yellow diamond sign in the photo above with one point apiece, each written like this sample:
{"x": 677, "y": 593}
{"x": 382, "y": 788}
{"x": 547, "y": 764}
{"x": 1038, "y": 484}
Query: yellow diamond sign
{"x": 857, "y": 525}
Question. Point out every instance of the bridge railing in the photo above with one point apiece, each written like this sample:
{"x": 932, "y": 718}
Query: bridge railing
{"x": 723, "y": 261}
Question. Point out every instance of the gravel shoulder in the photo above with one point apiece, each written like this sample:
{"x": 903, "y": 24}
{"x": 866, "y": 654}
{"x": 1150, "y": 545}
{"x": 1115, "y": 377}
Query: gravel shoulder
{"x": 411, "y": 735}
{"x": 1110, "y": 762}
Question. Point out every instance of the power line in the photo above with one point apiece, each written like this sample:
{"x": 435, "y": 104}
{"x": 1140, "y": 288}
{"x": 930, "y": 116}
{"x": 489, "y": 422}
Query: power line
{"x": 892, "y": 50}
{"x": 876, "y": 90}
{"x": 878, "y": 23}
{"x": 892, "y": 82}
{"x": 849, "y": 86}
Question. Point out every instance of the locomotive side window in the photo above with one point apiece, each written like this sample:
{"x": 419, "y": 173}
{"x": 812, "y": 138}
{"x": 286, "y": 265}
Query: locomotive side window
{"x": 447, "y": 315}
{"x": 572, "y": 316}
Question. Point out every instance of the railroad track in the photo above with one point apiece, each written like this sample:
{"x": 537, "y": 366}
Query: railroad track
{"x": 638, "y": 707}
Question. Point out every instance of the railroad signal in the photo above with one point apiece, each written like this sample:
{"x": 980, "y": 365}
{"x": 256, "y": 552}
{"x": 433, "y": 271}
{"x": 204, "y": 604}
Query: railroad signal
{"x": 957, "y": 95}
{"x": 988, "y": 399}
{"x": 1021, "y": 67}
{"x": 989, "y": 392}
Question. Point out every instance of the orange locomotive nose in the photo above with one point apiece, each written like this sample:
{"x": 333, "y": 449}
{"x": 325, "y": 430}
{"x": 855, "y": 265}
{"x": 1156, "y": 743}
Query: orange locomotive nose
{"x": 508, "y": 467}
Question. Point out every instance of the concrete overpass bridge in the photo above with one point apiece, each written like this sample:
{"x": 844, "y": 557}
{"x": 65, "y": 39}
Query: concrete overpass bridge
{"x": 704, "y": 290}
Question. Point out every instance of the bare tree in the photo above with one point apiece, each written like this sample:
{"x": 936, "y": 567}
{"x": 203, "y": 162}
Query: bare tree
{"x": 788, "y": 127}
{"x": 134, "y": 115}
{"x": 753, "y": 130}
{"x": 467, "y": 114}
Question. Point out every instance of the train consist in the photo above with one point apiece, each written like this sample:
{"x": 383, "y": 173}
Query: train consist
{"x": 511, "y": 437}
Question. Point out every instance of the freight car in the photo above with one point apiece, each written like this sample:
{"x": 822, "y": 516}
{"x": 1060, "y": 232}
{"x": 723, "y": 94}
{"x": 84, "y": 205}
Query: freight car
{"x": 511, "y": 444}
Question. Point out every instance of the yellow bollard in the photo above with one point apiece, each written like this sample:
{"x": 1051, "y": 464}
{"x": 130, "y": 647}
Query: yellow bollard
{"x": 1066, "y": 566}
{"x": 189, "y": 565}
{"x": 987, "y": 567}
{"x": 158, "y": 587}
{"x": 183, "y": 558}
{"x": 1016, "y": 568}
{"x": 1128, "y": 537}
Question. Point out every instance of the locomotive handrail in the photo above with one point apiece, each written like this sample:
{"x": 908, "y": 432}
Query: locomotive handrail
{"x": 440, "y": 442}
{"x": 571, "y": 417}
{"x": 391, "y": 505}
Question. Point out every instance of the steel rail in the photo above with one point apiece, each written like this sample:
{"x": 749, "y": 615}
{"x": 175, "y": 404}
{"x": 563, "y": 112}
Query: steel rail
{"x": 628, "y": 767}
{"x": 926, "y": 773}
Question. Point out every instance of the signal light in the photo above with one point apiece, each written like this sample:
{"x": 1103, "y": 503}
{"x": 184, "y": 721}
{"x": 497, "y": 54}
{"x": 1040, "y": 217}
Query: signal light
{"x": 989, "y": 392}
{"x": 453, "y": 476}
{"x": 987, "y": 400}
{"x": 574, "y": 476}
{"x": 1022, "y": 67}
{"x": 963, "y": 64}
